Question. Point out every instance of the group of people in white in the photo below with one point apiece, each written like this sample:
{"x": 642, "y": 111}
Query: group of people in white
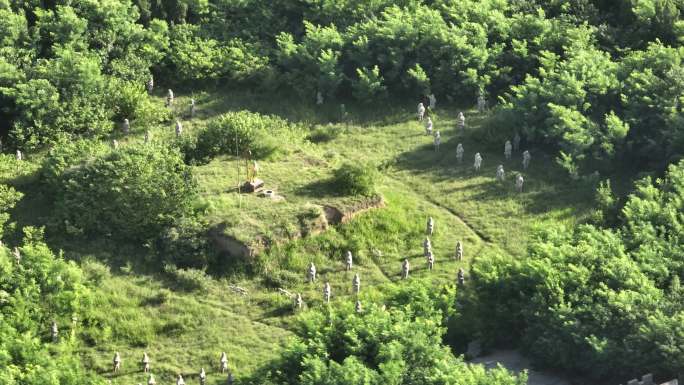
{"x": 202, "y": 375}
{"x": 405, "y": 269}
{"x": 327, "y": 293}
{"x": 327, "y": 290}
{"x": 509, "y": 146}
{"x": 170, "y": 98}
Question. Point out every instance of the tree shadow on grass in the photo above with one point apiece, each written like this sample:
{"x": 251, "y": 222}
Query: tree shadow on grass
{"x": 442, "y": 164}
{"x": 122, "y": 256}
{"x": 33, "y": 209}
{"x": 318, "y": 189}
{"x": 546, "y": 187}
{"x": 36, "y": 209}
{"x": 294, "y": 109}
{"x": 280, "y": 311}
{"x": 537, "y": 197}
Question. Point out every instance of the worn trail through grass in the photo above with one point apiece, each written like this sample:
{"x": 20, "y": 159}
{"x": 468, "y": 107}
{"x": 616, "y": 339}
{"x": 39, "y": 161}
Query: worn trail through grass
{"x": 484, "y": 237}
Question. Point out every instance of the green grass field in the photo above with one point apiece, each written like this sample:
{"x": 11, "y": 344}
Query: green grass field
{"x": 186, "y": 330}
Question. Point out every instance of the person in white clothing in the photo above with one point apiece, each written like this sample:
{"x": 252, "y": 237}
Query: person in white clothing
{"x": 478, "y": 162}
{"x": 428, "y": 126}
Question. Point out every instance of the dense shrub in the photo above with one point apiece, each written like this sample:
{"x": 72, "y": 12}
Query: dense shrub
{"x": 130, "y": 101}
{"x": 68, "y": 73}
{"x": 652, "y": 225}
{"x": 234, "y": 133}
{"x": 196, "y": 56}
{"x": 596, "y": 110}
{"x": 323, "y": 134}
{"x": 652, "y": 97}
{"x": 188, "y": 279}
{"x": 8, "y": 199}
{"x": 10, "y": 169}
{"x": 185, "y": 244}
{"x": 401, "y": 345}
{"x": 243, "y": 62}
{"x": 417, "y": 80}
{"x": 95, "y": 271}
{"x": 131, "y": 193}
{"x": 193, "y": 57}
{"x": 68, "y": 94}
{"x": 607, "y": 205}
{"x": 593, "y": 80}
{"x": 30, "y": 299}
{"x": 563, "y": 71}
{"x": 570, "y": 105}
{"x": 356, "y": 179}
{"x": 600, "y": 301}
{"x": 68, "y": 154}
{"x": 369, "y": 85}
{"x": 313, "y": 65}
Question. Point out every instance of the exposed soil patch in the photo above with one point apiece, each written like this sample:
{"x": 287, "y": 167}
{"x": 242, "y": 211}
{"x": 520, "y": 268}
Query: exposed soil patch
{"x": 234, "y": 247}
{"x": 337, "y": 215}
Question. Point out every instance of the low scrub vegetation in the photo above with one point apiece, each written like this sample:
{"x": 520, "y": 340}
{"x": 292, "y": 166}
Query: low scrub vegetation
{"x": 401, "y": 344}
{"x": 245, "y": 134}
{"x": 132, "y": 193}
{"x": 356, "y": 179}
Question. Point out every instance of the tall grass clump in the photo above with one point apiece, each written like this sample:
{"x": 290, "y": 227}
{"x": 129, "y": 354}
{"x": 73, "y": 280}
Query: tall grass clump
{"x": 132, "y": 193}
{"x": 236, "y": 133}
{"x": 356, "y": 179}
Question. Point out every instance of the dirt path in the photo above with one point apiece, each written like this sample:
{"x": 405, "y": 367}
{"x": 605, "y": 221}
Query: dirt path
{"x": 479, "y": 234}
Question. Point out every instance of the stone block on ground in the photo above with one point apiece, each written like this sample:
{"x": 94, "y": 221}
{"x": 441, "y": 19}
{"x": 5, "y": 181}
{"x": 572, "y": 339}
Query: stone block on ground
{"x": 671, "y": 382}
{"x": 252, "y": 187}
{"x": 647, "y": 379}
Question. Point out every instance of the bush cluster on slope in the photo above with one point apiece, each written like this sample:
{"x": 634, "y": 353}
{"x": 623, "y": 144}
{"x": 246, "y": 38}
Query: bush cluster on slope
{"x": 132, "y": 193}
{"x": 606, "y": 302}
{"x": 399, "y": 345}
{"x": 34, "y": 292}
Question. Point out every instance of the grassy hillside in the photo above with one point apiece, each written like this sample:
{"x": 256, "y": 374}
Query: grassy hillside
{"x": 184, "y": 322}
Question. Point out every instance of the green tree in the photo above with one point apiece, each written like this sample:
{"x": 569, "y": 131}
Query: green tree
{"x": 401, "y": 345}
{"x": 8, "y": 199}
{"x": 356, "y": 179}
{"x": 194, "y": 57}
{"x": 602, "y": 301}
{"x": 652, "y": 99}
{"x": 313, "y": 64}
{"x": 652, "y": 225}
{"x": 52, "y": 289}
{"x": 234, "y": 133}
{"x": 131, "y": 193}
{"x": 570, "y": 104}
{"x": 369, "y": 85}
